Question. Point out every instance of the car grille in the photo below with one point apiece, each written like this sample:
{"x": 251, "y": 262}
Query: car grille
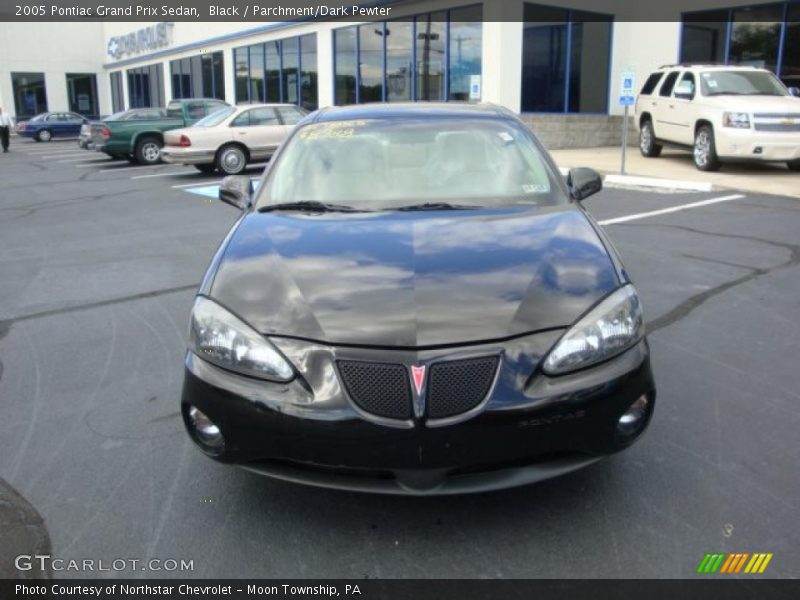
{"x": 379, "y": 388}
{"x": 782, "y": 122}
{"x": 384, "y": 389}
{"x": 458, "y": 386}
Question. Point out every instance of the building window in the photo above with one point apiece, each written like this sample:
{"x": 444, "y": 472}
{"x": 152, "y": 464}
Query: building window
{"x": 464, "y": 52}
{"x": 345, "y": 58}
{"x": 117, "y": 95}
{"x": 82, "y": 94}
{"x": 146, "y": 86}
{"x": 790, "y": 69}
{"x": 30, "y": 94}
{"x": 765, "y": 36}
{"x": 434, "y": 56}
{"x": 278, "y": 71}
{"x": 565, "y": 60}
{"x": 200, "y": 76}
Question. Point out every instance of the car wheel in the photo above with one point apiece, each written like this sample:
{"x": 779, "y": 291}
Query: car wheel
{"x": 207, "y": 169}
{"x": 231, "y": 159}
{"x": 647, "y": 141}
{"x": 148, "y": 151}
{"x": 705, "y": 152}
{"x": 44, "y": 135}
{"x": 794, "y": 165}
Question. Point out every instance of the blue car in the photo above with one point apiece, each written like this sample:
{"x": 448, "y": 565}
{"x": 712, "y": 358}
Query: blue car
{"x": 46, "y": 126}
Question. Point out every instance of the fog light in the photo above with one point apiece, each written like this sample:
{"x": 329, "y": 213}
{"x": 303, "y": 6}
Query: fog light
{"x": 633, "y": 419}
{"x": 205, "y": 431}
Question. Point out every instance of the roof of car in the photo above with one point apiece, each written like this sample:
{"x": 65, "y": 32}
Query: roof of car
{"x": 711, "y": 66}
{"x": 381, "y": 110}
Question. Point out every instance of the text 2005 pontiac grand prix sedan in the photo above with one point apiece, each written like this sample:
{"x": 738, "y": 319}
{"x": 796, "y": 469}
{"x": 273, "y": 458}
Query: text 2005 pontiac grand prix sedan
{"x": 414, "y": 301}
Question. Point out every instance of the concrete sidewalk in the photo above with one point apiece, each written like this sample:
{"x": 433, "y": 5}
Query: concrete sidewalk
{"x": 676, "y": 164}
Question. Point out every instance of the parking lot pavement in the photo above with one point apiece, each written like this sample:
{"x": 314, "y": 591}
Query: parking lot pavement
{"x": 773, "y": 178}
{"x": 99, "y": 270}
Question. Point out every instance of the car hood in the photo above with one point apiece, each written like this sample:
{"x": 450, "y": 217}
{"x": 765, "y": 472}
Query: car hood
{"x": 758, "y": 104}
{"x": 413, "y": 279}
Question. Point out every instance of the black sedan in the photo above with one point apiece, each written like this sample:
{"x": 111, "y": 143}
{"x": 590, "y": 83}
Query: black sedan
{"x": 415, "y": 301}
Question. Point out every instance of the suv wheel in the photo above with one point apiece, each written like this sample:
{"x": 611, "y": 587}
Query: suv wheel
{"x": 231, "y": 159}
{"x": 44, "y": 135}
{"x": 148, "y": 151}
{"x": 794, "y": 165}
{"x": 647, "y": 141}
{"x": 705, "y": 152}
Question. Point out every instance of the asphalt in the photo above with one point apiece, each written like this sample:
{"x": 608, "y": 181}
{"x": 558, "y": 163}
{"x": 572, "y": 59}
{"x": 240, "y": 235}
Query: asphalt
{"x": 98, "y": 271}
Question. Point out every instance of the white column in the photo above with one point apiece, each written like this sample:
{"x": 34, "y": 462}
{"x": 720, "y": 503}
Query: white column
{"x": 325, "y": 67}
{"x": 502, "y": 53}
{"x": 126, "y": 98}
{"x": 167, "y": 81}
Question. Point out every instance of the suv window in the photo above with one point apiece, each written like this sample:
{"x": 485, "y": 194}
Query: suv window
{"x": 651, "y": 83}
{"x": 687, "y": 81}
{"x": 669, "y": 83}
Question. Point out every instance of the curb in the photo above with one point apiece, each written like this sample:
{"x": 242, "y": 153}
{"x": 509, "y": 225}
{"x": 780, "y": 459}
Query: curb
{"x": 653, "y": 182}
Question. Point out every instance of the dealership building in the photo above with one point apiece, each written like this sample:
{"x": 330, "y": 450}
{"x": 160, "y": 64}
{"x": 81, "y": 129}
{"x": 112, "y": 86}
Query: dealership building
{"x": 554, "y": 62}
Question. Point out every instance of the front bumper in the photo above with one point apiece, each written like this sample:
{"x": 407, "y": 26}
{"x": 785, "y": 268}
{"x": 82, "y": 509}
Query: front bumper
{"x": 530, "y": 428}
{"x": 749, "y": 144}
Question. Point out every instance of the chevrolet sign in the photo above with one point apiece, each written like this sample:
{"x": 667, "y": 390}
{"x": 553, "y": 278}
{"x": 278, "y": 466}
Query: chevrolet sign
{"x": 148, "y": 38}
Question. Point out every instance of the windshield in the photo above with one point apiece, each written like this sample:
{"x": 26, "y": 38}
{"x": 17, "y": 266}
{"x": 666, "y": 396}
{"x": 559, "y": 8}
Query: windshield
{"x": 741, "y": 83}
{"x": 392, "y": 163}
{"x": 216, "y": 117}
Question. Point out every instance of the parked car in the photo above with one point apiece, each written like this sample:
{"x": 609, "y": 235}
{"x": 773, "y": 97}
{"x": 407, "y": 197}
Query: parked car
{"x": 721, "y": 113}
{"x": 415, "y": 301}
{"x": 46, "y": 126}
{"x": 232, "y": 137}
{"x": 141, "y": 140}
{"x": 85, "y": 138}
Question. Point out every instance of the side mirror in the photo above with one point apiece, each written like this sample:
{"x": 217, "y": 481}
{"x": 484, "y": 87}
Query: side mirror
{"x": 794, "y": 91}
{"x": 583, "y": 183}
{"x": 237, "y": 190}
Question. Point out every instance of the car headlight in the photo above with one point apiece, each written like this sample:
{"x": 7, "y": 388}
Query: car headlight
{"x": 608, "y": 329}
{"x": 225, "y": 340}
{"x": 738, "y": 120}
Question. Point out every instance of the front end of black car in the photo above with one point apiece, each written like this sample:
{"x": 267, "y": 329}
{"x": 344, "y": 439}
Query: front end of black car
{"x": 433, "y": 348}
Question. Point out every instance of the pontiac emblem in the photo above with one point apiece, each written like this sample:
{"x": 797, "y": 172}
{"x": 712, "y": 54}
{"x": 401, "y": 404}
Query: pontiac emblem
{"x": 418, "y": 375}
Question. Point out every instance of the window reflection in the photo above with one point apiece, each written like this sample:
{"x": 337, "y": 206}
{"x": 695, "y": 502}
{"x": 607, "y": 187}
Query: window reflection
{"x": 199, "y": 76}
{"x": 755, "y": 36}
{"x": 30, "y": 94}
{"x": 82, "y": 94}
{"x": 399, "y": 63}
{"x": 146, "y": 86}
{"x": 464, "y": 50}
{"x": 430, "y": 56}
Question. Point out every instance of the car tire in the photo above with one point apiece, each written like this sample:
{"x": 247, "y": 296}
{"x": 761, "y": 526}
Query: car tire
{"x": 704, "y": 152}
{"x": 231, "y": 159}
{"x": 44, "y": 135}
{"x": 207, "y": 169}
{"x": 647, "y": 141}
{"x": 794, "y": 165}
{"x": 148, "y": 151}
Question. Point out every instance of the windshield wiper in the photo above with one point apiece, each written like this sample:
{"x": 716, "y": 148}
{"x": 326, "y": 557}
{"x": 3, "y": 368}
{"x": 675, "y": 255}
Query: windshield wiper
{"x": 437, "y": 206}
{"x": 310, "y": 206}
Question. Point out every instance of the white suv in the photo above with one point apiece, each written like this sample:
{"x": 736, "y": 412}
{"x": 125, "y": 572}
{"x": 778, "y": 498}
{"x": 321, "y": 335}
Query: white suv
{"x": 721, "y": 113}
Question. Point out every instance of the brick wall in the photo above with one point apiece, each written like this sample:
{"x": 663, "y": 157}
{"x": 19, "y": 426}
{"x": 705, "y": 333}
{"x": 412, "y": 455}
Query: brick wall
{"x": 580, "y": 131}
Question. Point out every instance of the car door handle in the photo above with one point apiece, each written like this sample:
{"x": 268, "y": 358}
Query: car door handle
{"x": 672, "y": 106}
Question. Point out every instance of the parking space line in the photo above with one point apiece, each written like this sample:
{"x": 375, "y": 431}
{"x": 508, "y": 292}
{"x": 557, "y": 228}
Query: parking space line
{"x": 120, "y": 168}
{"x": 98, "y": 161}
{"x": 59, "y": 155}
{"x": 196, "y": 183}
{"x": 671, "y": 209}
{"x": 184, "y": 172}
